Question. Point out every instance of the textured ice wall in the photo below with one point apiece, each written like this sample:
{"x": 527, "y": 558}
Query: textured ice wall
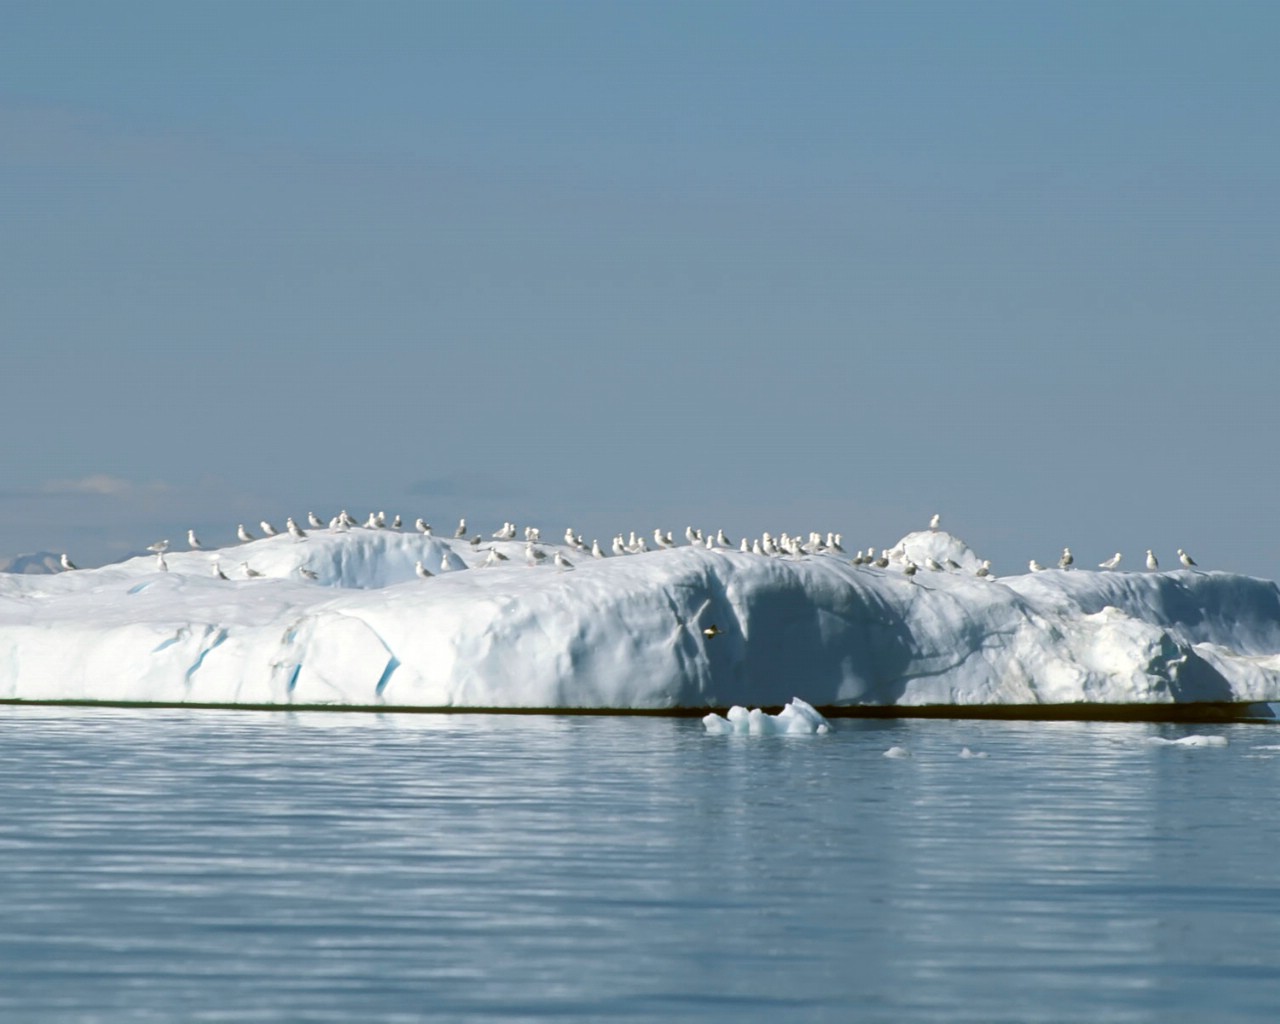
{"x": 626, "y": 632}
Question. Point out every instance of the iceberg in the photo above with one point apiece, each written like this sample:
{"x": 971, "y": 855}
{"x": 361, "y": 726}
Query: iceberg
{"x": 798, "y": 718}
{"x": 341, "y": 618}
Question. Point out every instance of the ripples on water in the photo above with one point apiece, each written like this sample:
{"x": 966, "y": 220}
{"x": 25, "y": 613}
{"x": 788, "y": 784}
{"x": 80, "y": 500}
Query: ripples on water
{"x": 167, "y": 865}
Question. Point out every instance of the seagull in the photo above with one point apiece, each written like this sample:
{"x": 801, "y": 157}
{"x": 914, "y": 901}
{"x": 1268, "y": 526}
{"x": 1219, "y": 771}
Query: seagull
{"x": 495, "y": 556}
{"x": 563, "y": 564}
{"x": 910, "y": 569}
{"x": 722, "y": 540}
{"x": 268, "y": 529}
{"x": 161, "y": 564}
{"x": 423, "y": 526}
{"x": 158, "y": 546}
{"x": 534, "y": 555}
{"x": 217, "y": 571}
{"x": 397, "y": 523}
{"x": 1187, "y": 561}
{"x": 595, "y": 550}
{"x": 953, "y": 565}
{"x": 422, "y": 571}
{"x": 1111, "y": 562}
{"x": 618, "y": 547}
{"x": 882, "y": 562}
{"x": 372, "y": 522}
{"x": 251, "y": 573}
{"x": 936, "y": 521}
{"x": 1067, "y": 558}
{"x": 307, "y": 574}
{"x": 712, "y": 631}
{"x": 66, "y": 563}
{"x": 295, "y": 529}
{"x": 1035, "y": 566}
{"x": 244, "y": 535}
{"x": 984, "y": 570}
{"x": 932, "y": 564}
{"x": 475, "y": 541}
{"x": 1152, "y": 563}
{"x": 193, "y": 541}
{"x": 444, "y": 562}
{"x": 461, "y": 531}
{"x": 314, "y": 521}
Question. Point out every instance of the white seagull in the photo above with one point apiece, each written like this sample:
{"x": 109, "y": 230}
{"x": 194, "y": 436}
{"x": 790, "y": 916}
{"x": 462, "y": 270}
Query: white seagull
{"x": 1066, "y": 560}
{"x": 423, "y": 526}
{"x": 936, "y": 521}
{"x": 307, "y": 574}
{"x": 422, "y": 571}
{"x": 66, "y": 563}
{"x": 1186, "y": 559}
{"x": 193, "y": 541}
{"x": 161, "y": 564}
{"x": 495, "y": 557}
{"x": 217, "y": 571}
{"x": 1035, "y": 566}
{"x": 244, "y": 535}
{"x": 268, "y": 529}
{"x": 294, "y": 529}
{"x": 461, "y": 531}
{"x": 251, "y": 573}
{"x": 158, "y": 546}
{"x": 1111, "y": 562}
{"x": 563, "y": 564}
{"x": 314, "y": 521}
{"x": 1152, "y": 563}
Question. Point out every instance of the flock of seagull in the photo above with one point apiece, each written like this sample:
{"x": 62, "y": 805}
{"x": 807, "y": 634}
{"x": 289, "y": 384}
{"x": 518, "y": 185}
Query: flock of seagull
{"x": 1153, "y": 563}
{"x": 766, "y": 545}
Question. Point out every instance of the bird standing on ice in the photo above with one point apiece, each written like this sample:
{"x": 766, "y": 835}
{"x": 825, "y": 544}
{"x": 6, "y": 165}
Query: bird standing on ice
{"x": 268, "y": 529}
{"x": 1035, "y": 566}
{"x": 1186, "y": 559}
{"x": 314, "y": 521}
{"x": 461, "y": 531}
{"x": 66, "y": 563}
{"x": 563, "y": 564}
{"x": 1065, "y": 562}
{"x": 294, "y": 529}
{"x": 161, "y": 564}
{"x": 1111, "y": 562}
{"x": 244, "y": 535}
{"x": 193, "y": 542}
{"x": 158, "y": 546}
{"x": 218, "y": 574}
{"x": 495, "y": 557}
{"x": 422, "y": 571}
{"x": 1152, "y": 563}
{"x": 936, "y": 521}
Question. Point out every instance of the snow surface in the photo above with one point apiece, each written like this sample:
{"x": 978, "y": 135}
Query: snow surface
{"x": 626, "y": 632}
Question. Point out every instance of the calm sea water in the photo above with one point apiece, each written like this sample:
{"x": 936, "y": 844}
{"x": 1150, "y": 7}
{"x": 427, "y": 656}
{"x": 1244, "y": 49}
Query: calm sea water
{"x": 233, "y": 866}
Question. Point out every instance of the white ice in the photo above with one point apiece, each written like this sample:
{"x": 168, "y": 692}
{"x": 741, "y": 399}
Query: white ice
{"x": 628, "y": 632}
{"x": 797, "y": 718}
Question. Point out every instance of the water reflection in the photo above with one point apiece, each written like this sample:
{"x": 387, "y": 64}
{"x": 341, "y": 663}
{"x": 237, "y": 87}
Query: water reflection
{"x": 215, "y": 865}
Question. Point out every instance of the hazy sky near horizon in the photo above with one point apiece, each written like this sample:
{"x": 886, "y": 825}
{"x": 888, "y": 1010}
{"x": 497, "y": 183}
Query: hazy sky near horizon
{"x": 763, "y": 266}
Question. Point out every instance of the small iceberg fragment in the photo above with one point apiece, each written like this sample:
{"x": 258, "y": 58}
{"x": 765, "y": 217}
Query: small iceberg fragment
{"x": 1196, "y": 740}
{"x": 798, "y": 718}
{"x": 897, "y": 752}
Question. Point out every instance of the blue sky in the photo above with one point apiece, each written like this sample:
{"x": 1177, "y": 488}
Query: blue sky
{"x": 761, "y": 265}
